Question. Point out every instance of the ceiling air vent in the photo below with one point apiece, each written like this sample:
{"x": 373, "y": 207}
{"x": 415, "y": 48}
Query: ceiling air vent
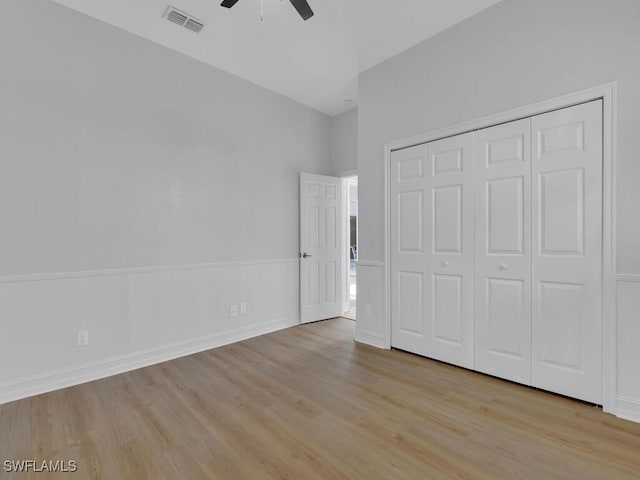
{"x": 183, "y": 19}
{"x": 193, "y": 25}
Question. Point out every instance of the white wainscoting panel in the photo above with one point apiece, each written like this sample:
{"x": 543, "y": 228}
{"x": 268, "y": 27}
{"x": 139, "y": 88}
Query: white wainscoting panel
{"x": 135, "y": 317}
{"x": 628, "y": 351}
{"x": 370, "y": 325}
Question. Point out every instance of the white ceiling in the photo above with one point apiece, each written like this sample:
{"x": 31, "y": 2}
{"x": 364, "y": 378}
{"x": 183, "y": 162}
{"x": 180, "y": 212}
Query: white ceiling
{"x": 316, "y": 62}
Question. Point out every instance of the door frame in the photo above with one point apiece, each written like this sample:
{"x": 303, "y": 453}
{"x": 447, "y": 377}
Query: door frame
{"x": 346, "y": 236}
{"x": 608, "y": 94}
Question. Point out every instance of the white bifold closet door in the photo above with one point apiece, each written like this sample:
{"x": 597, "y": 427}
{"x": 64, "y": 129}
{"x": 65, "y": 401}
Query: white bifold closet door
{"x": 449, "y": 253}
{"x": 496, "y": 250}
{"x": 432, "y": 249}
{"x": 567, "y": 251}
{"x": 408, "y": 203}
{"x": 503, "y": 251}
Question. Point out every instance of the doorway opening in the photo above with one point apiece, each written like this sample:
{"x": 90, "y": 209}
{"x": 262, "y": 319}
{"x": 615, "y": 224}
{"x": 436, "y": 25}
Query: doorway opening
{"x": 351, "y": 198}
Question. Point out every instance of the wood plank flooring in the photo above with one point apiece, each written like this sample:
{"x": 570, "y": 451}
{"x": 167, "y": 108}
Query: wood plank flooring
{"x": 309, "y": 403}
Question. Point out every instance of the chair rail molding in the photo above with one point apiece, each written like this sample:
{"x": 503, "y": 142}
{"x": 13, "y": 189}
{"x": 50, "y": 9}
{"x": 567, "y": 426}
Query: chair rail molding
{"x": 628, "y": 277}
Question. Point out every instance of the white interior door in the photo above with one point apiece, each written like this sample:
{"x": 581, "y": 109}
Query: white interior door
{"x": 321, "y": 255}
{"x": 450, "y": 250}
{"x": 409, "y": 326}
{"x": 567, "y": 251}
{"x": 503, "y": 251}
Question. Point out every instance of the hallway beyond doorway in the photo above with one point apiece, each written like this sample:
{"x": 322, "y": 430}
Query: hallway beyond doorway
{"x": 352, "y": 244}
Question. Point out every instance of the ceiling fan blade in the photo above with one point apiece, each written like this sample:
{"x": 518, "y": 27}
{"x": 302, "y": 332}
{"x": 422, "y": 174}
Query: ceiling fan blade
{"x": 228, "y": 3}
{"x": 303, "y": 8}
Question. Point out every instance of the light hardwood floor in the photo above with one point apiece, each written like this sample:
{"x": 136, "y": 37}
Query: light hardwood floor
{"x": 309, "y": 403}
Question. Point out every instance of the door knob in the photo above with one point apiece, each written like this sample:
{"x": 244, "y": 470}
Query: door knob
{"x": 445, "y": 263}
{"x": 503, "y": 266}
{"x": 305, "y": 255}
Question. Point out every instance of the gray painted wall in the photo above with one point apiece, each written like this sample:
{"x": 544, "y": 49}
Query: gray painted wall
{"x": 117, "y": 152}
{"x": 513, "y": 54}
{"x": 344, "y": 128}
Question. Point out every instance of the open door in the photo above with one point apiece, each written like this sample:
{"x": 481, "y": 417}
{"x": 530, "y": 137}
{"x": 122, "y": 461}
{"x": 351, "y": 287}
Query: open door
{"x": 321, "y": 255}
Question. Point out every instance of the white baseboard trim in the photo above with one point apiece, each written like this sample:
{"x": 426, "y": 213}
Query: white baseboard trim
{"x": 628, "y": 409}
{"x": 370, "y": 339}
{"x": 56, "y": 380}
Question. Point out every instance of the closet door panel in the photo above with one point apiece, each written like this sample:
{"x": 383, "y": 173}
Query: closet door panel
{"x": 506, "y": 313}
{"x": 409, "y": 328}
{"x": 447, "y": 219}
{"x": 503, "y": 251}
{"x": 448, "y": 309}
{"x": 567, "y": 251}
{"x": 449, "y": 249}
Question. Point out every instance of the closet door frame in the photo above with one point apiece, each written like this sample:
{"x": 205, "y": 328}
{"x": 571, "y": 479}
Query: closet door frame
{"x": 608, "y": 94}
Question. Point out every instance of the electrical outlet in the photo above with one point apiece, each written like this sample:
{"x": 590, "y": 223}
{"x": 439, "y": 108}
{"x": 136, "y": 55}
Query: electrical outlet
{"x": 243, "y": 308}
{"x": 233, "y": 311}
{"x": 83, "y": 338}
